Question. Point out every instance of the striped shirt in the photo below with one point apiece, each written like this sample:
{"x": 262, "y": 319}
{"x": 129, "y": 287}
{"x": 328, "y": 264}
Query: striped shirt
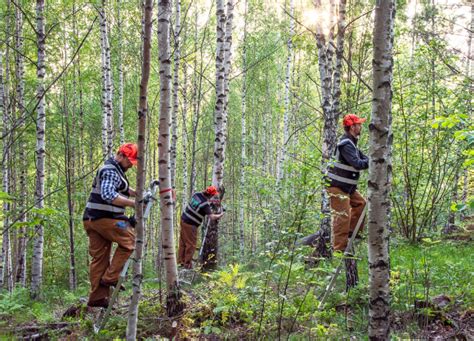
{"x": 196, "y": 209}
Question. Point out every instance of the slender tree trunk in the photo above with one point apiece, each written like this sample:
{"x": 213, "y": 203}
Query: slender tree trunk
{"x": 107, "y": 120}
{"x": 141, "y": 177}
{"x": 69, "y": 172}
{"x": 5, "y": 256}
{"x": 286, "y": 115}
{"x": 174, "y": 117}
{"x": 174, "y": 306}
{"x": 331, "y": 90}
{"x": 223, "y": 55}
{"x": 120, "y": 72}
{"x": 37, "y": 263}
{"x": 20, "y": 272}
{"x": 243, "y": 160}
{"x": 184, "y": 195}
{"x": 380, "y": 172}
{"x": 465, "y": 187}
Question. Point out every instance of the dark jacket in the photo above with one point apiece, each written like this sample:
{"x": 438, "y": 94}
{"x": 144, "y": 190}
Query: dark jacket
{"x": 348, "y": 161}
{"x": 98, "y": 206}
{"x": 197, "y": 208}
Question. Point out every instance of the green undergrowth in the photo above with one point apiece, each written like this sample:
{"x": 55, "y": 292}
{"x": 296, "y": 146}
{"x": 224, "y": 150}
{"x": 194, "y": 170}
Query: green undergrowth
{"x": 274, "y": 296}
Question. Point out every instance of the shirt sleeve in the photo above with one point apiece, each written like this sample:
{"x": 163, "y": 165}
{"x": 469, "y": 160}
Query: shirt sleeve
{"x": 351, "y": 155}
{"x": 108, "y": 184}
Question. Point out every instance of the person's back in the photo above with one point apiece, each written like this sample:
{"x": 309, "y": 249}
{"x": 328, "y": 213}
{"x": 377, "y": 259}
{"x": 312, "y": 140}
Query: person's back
{"x": 191, "y": 218}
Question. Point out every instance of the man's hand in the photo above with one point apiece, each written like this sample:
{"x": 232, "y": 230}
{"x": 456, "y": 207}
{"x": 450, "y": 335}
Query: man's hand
{"x": 216, "y": 216}
{"x": 132, "y": 193}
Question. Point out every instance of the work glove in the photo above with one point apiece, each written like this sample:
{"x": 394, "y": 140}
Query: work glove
{"x": 132, "y": 221}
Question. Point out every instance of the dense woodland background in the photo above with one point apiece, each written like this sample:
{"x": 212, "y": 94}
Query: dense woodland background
{"x": 274, "y": 156}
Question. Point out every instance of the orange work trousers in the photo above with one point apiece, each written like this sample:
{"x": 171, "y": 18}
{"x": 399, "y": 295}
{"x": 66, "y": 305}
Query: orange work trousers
{"x": 187, "y": 243}
{"x": 345, "y": 210}
{"x": 102, "y": 233}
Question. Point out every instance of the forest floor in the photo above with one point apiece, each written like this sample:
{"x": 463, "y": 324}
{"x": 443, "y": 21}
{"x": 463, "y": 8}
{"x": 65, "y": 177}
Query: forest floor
{"x": 432, "y": 286}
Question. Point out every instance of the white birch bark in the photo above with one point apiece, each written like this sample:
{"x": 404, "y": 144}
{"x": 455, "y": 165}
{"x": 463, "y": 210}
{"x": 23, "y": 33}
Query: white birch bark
{"x": 107, "y": 120}
{"x": 174, "y": 305}
{"x": 184, "y": 195}
{"x": 120, "y": 74}
{"x": 380, "y": 171}
{"x": 219, "y": 118}
{"x": 223, "y": 56}
{"x": 5, "y": 256}
{"x": 286, "y": 115}
{"x": 197, "y": 78}
{"x": 38, "y": 241}
{"x": 141, "y": 176}
{"x": 20, "y": 267}
{"x": 174, "y": 117}
{"x": 330, "y": 76}
{"x": 243, "y": 160}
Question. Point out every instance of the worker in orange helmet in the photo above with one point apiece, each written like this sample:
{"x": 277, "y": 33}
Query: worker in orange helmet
{"x": 105, "y": 222}
{"x": 192, "y": 217}
{"x": 347, "y": 204}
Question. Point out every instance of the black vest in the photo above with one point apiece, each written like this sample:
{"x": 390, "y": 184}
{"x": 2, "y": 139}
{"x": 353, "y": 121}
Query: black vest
{"x": 96, "y": 207}
{"x": 195, "y": 210}
{"x": 341, "y": 174}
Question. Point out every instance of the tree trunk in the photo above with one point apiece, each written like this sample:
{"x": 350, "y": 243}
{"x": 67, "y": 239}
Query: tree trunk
{"x": 5, "y": 170}
{"x": 184, "y": 195}
{"x": 174, "y": 117}
{"x": 223, "y": 55}
{"x": 174, "y": 306}
{"x": 243, "y": 160}
{"x": 107, "y": 119}
{"x": 120, "y": 72}
{"x": 331, "y": 90}
{"x": 141, "y": 176}
{"x": 380, "y": 170}
{"x": 69, "y": 172}
{"x": 20, "y": 267}
{"x": 37, "y": 263}
{"x": 286, "y": 123}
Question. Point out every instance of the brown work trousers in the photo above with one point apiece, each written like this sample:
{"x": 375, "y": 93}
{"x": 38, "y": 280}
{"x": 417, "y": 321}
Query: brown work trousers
{"x": 345, "y": 210}
{"x": 187, "y": 243}
{"x": 101, "y": 233}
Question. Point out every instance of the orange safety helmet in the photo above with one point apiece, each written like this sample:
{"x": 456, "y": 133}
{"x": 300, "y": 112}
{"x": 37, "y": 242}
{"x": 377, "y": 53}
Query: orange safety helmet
{"x": 212, "y": 190}
{"x": 351, "y": 119}
{"x": 130, "y": 151}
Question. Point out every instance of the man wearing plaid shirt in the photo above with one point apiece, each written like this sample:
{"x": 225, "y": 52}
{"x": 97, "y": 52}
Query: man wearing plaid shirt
{"x": 105, "y": 222}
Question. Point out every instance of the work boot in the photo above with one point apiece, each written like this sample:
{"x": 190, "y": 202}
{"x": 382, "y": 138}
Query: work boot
{"x": 111, "y": 284}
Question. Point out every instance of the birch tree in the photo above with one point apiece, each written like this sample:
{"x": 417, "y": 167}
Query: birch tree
{"x": 20, "y": 267}
{"x": 380, "y": 171}
{"x": 120, "y": 74}
{"x": 174, "y": 117}
{"x": 5, "y": 256}
{"x": 107, "y": 110}
{"x": 223, "y": 56}
{"x": 174, "y": 306}
{"x": 243, "y": 160}
{"x": 286, "y": 115}
{"x": 330, "y": 75}
{"x": 38, "y": 241}
{"x": 69, "y": 174}
{"x": 141, "y": 177}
